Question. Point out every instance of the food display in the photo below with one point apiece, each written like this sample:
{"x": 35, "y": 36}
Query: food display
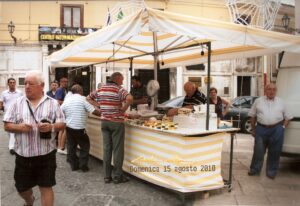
{"x": 184, "y": 111}
{"x": 164, "y": 124}
{"x": 186, "y": 119}
{"x": 160, "y": 124}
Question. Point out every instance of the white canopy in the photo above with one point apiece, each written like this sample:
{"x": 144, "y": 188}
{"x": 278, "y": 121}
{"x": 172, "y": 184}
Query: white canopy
{"x": 136, "y": 35}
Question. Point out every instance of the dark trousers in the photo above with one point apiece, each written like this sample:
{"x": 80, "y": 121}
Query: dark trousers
{"x": 113, "y": 143}
{"x": 271, "y": 139}
{"x": 77, "y": 137}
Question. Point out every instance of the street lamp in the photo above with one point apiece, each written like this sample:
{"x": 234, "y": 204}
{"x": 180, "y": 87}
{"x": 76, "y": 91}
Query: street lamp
{"x": 11, "y": 29}
{"x": 285, "y": 21}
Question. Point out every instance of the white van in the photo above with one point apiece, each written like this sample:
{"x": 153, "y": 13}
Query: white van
{"x": 288, "y": 85}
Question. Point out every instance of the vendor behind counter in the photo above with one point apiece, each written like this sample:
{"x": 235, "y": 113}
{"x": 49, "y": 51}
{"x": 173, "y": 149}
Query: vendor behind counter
{"x": 139, "y": 92}
{"x": 193, "y": 97}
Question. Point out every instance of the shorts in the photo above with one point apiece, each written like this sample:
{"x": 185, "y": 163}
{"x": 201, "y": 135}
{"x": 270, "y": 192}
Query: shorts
{"x": 33, "y": 171}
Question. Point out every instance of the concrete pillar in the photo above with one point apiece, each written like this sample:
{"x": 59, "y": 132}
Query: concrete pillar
{"x": 179, "y": 83}
{"x": 45, "y": 66}
{"x": 98, "y": 76}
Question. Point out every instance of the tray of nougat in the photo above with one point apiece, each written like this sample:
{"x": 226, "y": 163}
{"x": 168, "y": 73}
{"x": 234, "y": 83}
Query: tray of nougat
{"x": 164, "y": 124}
{"x": 184, "y": 111}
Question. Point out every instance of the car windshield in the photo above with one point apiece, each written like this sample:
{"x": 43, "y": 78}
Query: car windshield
{"x": 175, "y": 102}
{"x": 243, "y": 101}
{"x": 239, "y": 101}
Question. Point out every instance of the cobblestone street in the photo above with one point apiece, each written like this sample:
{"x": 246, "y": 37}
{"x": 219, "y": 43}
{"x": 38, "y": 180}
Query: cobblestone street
{"x": 78, "y": 188}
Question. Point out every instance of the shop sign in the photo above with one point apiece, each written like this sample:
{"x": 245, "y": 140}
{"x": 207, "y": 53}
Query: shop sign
{"x": 62, "y": 33}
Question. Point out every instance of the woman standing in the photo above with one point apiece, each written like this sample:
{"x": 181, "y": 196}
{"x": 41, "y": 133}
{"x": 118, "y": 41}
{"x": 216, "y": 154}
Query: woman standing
{"x": 218, "y": 102}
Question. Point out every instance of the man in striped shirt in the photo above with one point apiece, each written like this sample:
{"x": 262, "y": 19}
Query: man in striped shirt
{"x": 75, "y": 109}
{"x": 114, "y": 100}
{"x": 35, "y": 157}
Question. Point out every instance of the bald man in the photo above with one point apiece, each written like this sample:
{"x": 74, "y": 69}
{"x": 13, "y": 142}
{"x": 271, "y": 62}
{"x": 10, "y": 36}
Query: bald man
{"x": 269, "y": 118}
{"x": 193, "y": 97}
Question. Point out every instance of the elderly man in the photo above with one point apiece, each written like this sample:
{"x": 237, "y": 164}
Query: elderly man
{"x": 6, "y": 99}
{"x": 193, "y": 97}
{"x": 270, "y": 114}
{"x": 114, "y": 100}
{"x": 75, "y": 109}
{"x": 35, "y": 118}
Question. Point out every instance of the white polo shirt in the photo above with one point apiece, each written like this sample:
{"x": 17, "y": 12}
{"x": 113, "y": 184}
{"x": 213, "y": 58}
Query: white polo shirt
{"x": 76, "y": 109}
{"x": 268, "y": 111}
{"x": 8, "y": 97}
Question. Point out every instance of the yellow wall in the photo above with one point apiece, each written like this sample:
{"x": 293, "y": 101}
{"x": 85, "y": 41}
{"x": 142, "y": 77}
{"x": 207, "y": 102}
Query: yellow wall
{"x": 28, "y": 15}
{"x": 201, "y": 8}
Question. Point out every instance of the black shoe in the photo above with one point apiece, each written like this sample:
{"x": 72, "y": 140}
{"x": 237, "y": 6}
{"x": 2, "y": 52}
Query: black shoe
{"x": 108, "y": 180}
{"x": 121, "y": 179}
{"x": 84, "y": 168}
{"x": 12, "y": 152}
{"x": 252, "y": 173}
{"x": 74, "y": 168}
{"x": 271, "y": 176}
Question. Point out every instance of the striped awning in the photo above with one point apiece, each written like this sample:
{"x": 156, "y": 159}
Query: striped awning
{"x": 178, "y": 38}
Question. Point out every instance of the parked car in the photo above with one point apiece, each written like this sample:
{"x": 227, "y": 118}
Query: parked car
{"x": 171, "y": 103}
{"x": 238, "y": 111}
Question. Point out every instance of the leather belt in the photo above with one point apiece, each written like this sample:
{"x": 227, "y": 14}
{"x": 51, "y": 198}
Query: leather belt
{"x": 270, "y": 125}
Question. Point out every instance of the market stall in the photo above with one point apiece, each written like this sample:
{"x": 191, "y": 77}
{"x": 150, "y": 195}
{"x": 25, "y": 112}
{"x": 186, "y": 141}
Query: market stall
{"x": 183, "y": 160}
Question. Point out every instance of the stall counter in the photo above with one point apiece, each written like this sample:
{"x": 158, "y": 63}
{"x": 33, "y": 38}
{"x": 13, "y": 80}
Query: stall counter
{"x": 181, "y": 160}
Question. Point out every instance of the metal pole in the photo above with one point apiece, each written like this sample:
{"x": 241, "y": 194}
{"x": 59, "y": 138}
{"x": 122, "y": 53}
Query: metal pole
{"x": 208, "y": 84}
{"x": 155, "y": 55}
{"x": 231, "y": 159}
{"x": 155, "y": 59}
{"x": 130, "y": 68}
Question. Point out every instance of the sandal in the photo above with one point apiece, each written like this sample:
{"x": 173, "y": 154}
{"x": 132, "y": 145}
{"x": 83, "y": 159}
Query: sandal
{"x": 33, "y": 199}
{"x": 108, "y": 180}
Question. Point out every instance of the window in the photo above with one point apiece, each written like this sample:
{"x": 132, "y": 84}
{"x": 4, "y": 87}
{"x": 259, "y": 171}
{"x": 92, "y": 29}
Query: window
{"x": 21, "y": 81}
{"x": 71, "y": 16}
{"x": 226, "y": 90}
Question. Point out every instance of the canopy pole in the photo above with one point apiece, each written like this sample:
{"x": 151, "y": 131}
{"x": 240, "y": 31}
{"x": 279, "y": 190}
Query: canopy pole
{"x": 155, "y": 59}
{"x": 208, "y": 83}
{"x": 130, "y": 68}
{"x": 130, "y": 74}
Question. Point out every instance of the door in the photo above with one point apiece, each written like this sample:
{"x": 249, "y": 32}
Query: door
{"x": 243, "y": 86}
{"x": 163, "y": 79}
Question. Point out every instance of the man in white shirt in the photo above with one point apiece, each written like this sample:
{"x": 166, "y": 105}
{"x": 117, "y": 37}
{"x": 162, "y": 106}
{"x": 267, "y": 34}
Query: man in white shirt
{"x": 6, "y": 99}
{"x": 269, "y": 118}
{"x": 76, "y": 108}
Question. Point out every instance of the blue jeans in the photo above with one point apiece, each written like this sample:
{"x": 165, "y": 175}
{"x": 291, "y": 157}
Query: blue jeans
{"x": 271, "y": 139}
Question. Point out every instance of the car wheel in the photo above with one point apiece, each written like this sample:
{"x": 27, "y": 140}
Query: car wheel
{"x": 246, "y": 126}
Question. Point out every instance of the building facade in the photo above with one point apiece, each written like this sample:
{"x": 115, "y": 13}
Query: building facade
{"x": 42, "y": 27}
